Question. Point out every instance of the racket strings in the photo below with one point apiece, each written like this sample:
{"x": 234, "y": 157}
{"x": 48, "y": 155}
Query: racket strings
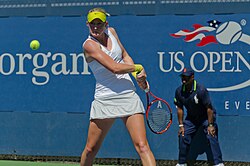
{"x": 159, "y": 118}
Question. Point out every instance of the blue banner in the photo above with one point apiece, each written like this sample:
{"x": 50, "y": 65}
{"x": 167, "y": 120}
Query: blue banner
{"x": 56, "y": 78}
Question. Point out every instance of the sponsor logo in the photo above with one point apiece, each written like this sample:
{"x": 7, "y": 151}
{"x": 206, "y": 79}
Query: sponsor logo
{"x": 196, "y": 100}
{"x": 215, "y": 32}
{"x": 43, "y": 65}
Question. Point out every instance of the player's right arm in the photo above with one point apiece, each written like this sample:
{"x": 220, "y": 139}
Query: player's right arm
{"x": 93, "y": 51}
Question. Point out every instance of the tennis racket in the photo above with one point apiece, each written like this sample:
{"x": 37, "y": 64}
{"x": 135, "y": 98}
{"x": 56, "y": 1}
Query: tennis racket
{"x": 158, "y": 113}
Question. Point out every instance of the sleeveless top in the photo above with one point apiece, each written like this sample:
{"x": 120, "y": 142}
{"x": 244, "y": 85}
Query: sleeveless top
{"x": 107, "y": 83}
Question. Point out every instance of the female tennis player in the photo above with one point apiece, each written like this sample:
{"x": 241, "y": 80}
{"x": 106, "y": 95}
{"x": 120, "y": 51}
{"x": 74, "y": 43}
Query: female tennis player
{"x": 115, "y": 95}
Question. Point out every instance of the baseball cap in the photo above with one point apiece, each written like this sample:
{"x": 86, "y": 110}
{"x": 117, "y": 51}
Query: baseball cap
{"x": 96, "y": 14}
{"x": 187, "y": 72}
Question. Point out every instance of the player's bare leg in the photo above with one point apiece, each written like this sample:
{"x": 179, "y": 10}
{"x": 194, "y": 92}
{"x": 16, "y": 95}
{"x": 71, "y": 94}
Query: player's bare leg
{"x": 136, "y": 128}
{"x": 96, "y": 134}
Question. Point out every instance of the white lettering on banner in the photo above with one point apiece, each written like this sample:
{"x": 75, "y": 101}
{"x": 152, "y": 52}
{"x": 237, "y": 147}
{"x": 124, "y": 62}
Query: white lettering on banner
{"x": 12, "y": 64}
{"x": 224, "y": 59}
{"x": 248, "y": 105}
{"x": 226, "y": 105}
{"x": 229, "y": 64}
{"x": 204, "y": 58}
{"x": 212, "y": 61}
{"x": 173, "y": 58}
{"x": 74, "y": 67}
{"x": 238, "y": 105}
{"x": 21, "y": 62}
{"x": 40, "y": 61}
{"x": 62, "y": 64}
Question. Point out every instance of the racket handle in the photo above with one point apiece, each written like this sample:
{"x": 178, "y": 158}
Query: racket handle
{"x": 147, "y": 89}
{"x": 144, "y": 83}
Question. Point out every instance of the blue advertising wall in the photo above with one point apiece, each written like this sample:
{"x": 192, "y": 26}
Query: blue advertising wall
{"x": 45, "y": 94}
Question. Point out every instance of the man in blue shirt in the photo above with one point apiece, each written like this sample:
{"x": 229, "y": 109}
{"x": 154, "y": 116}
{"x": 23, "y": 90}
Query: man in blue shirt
{"x": 200, "y": 112}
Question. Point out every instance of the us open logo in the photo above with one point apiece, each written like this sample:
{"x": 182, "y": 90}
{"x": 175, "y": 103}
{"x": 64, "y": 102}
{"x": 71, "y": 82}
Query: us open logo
{"x": 214, "y": 33}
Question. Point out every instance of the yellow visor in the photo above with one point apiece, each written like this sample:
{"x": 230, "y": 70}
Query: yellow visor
{"x": 93, "y": 15}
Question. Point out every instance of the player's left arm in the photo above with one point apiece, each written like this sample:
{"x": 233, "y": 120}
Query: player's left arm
{"x": 126, "y": 58}
{"x": 141, "y": 78}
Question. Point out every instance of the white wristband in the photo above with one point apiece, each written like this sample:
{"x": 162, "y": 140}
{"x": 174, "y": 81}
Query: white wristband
{"x": 181, "y": 125}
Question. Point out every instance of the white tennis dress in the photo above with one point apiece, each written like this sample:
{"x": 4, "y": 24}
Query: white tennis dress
{"x": 114, "y": 93}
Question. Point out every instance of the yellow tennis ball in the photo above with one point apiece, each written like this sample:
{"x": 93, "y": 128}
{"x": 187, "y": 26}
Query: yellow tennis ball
{"x": 34, "y": 44}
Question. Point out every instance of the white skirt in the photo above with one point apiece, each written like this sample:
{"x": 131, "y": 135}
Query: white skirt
{"x": 117, "y": 106}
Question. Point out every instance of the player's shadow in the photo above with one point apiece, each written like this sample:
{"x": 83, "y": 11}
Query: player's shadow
{"x": 199, "y": 145}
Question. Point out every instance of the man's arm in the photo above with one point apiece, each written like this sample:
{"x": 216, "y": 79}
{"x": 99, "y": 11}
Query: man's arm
{"x": 180, "y": 114}
{"x": 206, "y": 101}
{"x": 210, "y": 115}
{"x": 210, "y": 128}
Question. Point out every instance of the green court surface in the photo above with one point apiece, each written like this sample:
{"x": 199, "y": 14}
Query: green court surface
{"x": 29, "y": 163}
